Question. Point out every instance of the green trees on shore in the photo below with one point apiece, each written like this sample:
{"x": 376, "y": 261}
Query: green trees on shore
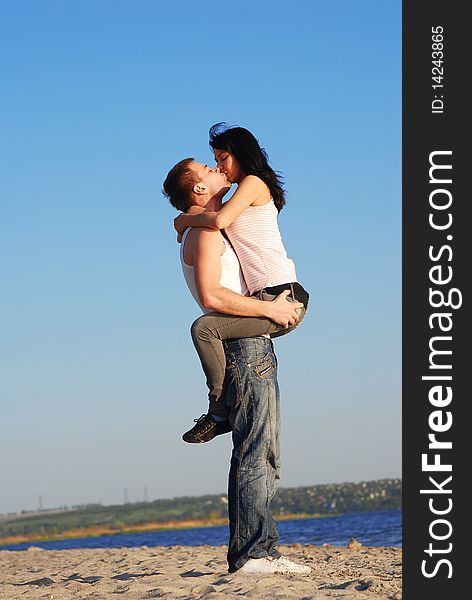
{"x": 383, "y": 494}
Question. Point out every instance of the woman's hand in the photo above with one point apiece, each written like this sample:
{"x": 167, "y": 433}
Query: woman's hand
{"x": 180, "y": 225}
{"x": 181, "y": 222}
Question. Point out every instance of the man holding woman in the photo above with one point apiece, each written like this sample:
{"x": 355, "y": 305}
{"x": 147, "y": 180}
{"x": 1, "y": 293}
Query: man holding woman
{"x": 246, "y": 396}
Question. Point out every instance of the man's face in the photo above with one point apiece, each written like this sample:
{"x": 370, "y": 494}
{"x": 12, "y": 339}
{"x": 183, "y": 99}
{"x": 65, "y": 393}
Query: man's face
{"x": 214, "y": 181}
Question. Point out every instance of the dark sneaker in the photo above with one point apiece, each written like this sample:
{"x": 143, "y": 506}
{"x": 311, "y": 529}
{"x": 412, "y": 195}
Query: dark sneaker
{"x": 205, "y": 429}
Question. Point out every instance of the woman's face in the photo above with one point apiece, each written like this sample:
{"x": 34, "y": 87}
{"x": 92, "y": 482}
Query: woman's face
{"x": 229, "y": 165}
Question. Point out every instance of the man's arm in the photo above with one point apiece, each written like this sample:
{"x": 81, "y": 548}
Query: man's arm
{"x": 206, "y": 247}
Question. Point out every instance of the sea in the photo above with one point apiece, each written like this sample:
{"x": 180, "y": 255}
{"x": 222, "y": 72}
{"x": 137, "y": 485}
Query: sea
{"x": 383, "y": 528}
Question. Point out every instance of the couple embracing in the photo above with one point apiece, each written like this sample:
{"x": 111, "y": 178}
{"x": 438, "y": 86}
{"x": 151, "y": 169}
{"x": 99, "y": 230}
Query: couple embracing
{"x": 237, "y": 269}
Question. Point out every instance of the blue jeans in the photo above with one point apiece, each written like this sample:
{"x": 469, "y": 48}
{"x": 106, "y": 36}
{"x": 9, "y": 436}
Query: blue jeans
{"x": 252, "y": 396}
{"x": 212, "y": 329}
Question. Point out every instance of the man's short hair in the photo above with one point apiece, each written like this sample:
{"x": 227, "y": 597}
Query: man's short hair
{"x": 179, "y": 184}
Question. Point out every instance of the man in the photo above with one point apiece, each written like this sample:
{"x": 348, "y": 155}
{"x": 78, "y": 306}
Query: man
{"x": 251, "y": 391}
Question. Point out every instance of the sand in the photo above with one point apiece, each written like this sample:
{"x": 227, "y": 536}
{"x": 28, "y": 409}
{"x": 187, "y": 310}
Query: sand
{"x": 196, "y": 572}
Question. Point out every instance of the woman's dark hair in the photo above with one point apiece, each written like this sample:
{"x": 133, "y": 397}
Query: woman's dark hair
{"x": 253, "y": 159}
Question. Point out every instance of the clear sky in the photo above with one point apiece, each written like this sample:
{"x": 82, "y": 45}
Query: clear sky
{"x": 99, "y": 98}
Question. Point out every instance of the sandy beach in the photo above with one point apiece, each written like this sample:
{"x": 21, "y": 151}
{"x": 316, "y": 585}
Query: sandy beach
{"x": 196, "y": 572}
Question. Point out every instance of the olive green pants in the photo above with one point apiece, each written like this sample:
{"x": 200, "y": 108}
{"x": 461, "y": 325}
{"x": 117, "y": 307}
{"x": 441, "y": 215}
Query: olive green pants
{"x": 212, "y": 329}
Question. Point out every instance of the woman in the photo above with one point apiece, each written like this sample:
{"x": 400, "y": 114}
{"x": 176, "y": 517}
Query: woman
{"x": 249, "y": 220}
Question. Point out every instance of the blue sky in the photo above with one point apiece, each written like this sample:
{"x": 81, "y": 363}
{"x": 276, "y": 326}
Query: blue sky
{"x": 98, "y": 374}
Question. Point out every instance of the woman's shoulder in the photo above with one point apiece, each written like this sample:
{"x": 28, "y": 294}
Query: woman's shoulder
{"x": 252, "y": 184}
{"x": 253, "y": 180}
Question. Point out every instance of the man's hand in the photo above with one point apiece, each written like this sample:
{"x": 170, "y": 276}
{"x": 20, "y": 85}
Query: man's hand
{"x": 282, "y": 311}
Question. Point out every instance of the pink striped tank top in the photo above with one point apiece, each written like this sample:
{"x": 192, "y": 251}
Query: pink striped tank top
{"x": 256, "y": 239}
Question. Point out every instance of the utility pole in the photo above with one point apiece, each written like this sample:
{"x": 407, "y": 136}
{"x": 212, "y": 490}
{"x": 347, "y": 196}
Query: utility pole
{"x": 40, "y": 503}
{"x": 145, "y": 496}
{"x": 125, "y": 496}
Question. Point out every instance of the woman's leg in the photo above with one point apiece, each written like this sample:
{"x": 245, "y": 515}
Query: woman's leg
{"x": 298, "y": 294}
{"x": 210, "y": 330}
{"x": 208, "y": 334}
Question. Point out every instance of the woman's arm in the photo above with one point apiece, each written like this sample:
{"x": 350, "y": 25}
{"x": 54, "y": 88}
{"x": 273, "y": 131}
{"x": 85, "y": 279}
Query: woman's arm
{"x": 250, "y": 190}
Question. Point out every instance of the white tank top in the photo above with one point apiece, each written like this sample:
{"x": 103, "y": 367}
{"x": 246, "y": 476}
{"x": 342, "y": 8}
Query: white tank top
{"x": 256, "y": 239}
{"x": 231, "y": 274}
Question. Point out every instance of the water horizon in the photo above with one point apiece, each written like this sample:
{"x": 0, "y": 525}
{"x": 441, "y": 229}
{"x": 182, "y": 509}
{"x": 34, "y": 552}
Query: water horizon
{"x": 375, "y": 528}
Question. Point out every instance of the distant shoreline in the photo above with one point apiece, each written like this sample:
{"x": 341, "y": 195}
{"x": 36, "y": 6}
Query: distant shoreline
{"x": 90, "y": 532}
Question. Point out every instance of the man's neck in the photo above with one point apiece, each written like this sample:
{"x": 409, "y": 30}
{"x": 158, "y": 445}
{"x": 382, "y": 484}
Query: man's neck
{"x": 214, "y": 204}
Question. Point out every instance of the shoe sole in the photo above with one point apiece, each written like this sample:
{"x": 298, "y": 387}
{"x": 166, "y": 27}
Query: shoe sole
{"x": 274, "y": 572}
